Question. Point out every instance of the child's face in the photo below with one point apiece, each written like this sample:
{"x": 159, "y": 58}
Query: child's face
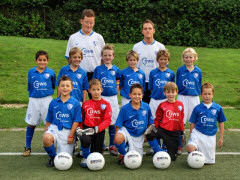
{"x": 162, "y": 61}
{"x": 136, "y": 95}
{"x": 65, "y": 87}
{"x": 76, "y": 59}
{"x": 171, "y": 95}
{"x": 189, "y": 59}
{"x": 148, "y": 30}
{"x": 107, "y": 56}
{"x": 42, "y": 62}
{"x": 87, "y": 24}
{"x": 96, "y": 91}
{"x": 132, "y": 62}
{"x": 207, "y": 95}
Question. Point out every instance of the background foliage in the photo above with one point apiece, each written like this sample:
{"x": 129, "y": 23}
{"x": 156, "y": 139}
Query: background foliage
{"x": 204, "y": 23}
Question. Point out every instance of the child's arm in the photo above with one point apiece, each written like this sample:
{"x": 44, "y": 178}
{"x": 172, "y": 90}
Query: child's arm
{"x": 192, "y": 126}
{"x": 71, "y": 134}
{"x": 46, "y": 126}
{"x": 221, "y": 130}
{"x": 159, "y": 115}
{"x": 84, "y": 95}
{"x": 106, "y": 119}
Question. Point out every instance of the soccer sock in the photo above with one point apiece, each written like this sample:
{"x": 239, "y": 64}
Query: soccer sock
{"x": 159, "y": 141}
{"x": 51, "y": 151}
{"x": 121, "y": 148}
{"x": 86, "y": 152}
{"x": 154, "y": 145}
{"x": 180, "y": 141}
{"x": 111, "y": 135}
{"x": 29, "y": 136}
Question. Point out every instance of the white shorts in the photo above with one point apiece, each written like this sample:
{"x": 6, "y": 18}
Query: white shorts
{"x": 135, "y": 143}
{"x": 37, "y": 110}
{"x": 124, "y": 101}
{"x": 113, "y": 100}
{"x": 189, "y": 103}
{"x": 61, "y": 138}
{"x": 205, "y": 144}
{"x": 154, "y": 105}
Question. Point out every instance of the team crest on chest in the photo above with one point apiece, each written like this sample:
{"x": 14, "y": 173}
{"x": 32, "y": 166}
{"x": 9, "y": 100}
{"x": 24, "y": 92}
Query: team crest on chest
{"x": 46, "y": 75}
{"x": 144, "y": 112}
{"x": 69, "y": 106}
{"x": 180, "y": 108}
{"x": 79, "y": 75}
{"x": 113, "y": 73}
{"x": 195, "y": 75}
{"x": 103, "y": 106}
{"x": 167, "y": 75}
{"x": 95, "y": 43}
{"x": 140, "y": 76}
{"x": 214, "y": 111}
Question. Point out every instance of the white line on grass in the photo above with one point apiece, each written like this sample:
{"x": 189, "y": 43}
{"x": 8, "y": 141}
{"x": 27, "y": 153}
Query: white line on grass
{"x": 105, "y": 153}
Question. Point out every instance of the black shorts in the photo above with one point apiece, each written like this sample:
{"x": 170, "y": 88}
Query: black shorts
{"x": 147, "y": 93}
{"x": 170, "y": 138}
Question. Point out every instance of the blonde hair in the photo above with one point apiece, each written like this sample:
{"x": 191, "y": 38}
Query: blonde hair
{"x": 170, "y": 86}
{"x": 74, "y": 51}
{"x": 95, "y": 82}
{"x": 164, "y": 53}
{"x": 191, "y": 50}
{"x": 132, "y": 53}
{"x": 108, "y": 47}
{"x": 207, "y": 85}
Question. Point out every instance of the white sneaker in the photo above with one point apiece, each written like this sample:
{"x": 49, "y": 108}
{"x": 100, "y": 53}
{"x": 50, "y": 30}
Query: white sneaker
{"x": 83, "y": 163}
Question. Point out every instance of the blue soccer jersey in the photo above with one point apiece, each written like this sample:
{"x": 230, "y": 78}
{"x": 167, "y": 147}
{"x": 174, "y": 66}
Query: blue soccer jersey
{"x": 157, "y": 80}
{"x": 128, "y": 77}
{"x": 108, "y": 78}
{"x": 189, "y": 83}
{"x": 79, "y": 78}
{"x": 206, "y": 119}
{"x": 135, "y": 121}
{"x": 41, "y": 84}
{"x": 63, "y": 115}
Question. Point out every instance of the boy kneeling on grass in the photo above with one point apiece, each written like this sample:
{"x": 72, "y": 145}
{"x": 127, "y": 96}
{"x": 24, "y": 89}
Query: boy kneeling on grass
{"x": 64, "y": 115}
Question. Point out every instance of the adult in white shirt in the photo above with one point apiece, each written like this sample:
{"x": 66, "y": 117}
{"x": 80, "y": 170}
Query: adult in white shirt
{"x": 147, "y": 50}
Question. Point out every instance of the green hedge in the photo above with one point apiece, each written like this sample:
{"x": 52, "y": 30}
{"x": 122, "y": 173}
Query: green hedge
{"x": 205, "y": 23}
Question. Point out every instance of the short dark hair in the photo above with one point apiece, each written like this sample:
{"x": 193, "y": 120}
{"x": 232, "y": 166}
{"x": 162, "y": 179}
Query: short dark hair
{"x": 65, "y": 78}
{"x": 95, "y": 82}
{"x": 148, "y": 21}
{"x": 41, "y": 52}
{"x": 165, "y": 53}
{"x": 88, "y": 13}
{"x": 136, "y": 86}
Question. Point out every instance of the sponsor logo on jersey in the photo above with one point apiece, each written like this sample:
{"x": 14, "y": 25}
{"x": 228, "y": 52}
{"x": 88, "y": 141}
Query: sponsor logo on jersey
{"x": 135, "y": 123}
{"x": 171, "y": 114}
{"x": 91, "y": 112}
{"x": 69, "y": 106}
{"x": 46, "y": 75}
{"x": 113, "y": 73}
{"x": 186, "y": 83}
{"x": 95, "y": 43}
{"x": 59, "y": 115}
{"x": 147, "y": 62}
{"x": 205, "y": 119}
{"x": 103, "y": 106}
{"x": 214, "y": 111}
{"x": 86, "y": 51}
{"x": 180, "y": 108}
{"x": 131, "y": 82}
{"x": 195, "y": 75}
{"x": 158, "y": 82}
{"x": 38, "y": 84}
{"x": 144, "y": 112}
{"x": 167, "y": 75}
{"x": 79, "y": 76}
{"x": 105, "y": 81}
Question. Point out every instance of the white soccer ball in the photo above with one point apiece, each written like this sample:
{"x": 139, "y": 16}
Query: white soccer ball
{"x": 63, "y": 161}
{"x": 95, "y": 161}
{"x": 196, "y": 159}
{"x": 161, "y": 160}
{"x": 132, "y": 160}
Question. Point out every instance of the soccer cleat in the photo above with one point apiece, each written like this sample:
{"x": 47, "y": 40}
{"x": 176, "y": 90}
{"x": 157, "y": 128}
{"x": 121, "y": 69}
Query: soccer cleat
{"x": 50, "y": 162}
{"x": 121, "y": 160}
{"x": 150, "y": 152}
{"x": 105, "y": 148}
{"x": 113, "y": 151}
{"x": 27, "y": 152}
{"x": 83, "y": 163}
{"x": 179, "y": 152}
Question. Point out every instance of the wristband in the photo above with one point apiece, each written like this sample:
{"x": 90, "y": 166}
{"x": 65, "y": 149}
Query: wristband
{"x": 70, "y": 137}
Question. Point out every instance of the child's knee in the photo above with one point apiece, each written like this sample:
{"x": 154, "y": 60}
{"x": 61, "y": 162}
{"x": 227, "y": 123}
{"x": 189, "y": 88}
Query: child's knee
{"x": 119, "y": 138}
{"x": 48, "y": 140}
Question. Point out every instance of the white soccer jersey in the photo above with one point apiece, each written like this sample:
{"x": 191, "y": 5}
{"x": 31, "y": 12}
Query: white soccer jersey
{"x": 91, "y": 46}
{"x": 147, "y": 56}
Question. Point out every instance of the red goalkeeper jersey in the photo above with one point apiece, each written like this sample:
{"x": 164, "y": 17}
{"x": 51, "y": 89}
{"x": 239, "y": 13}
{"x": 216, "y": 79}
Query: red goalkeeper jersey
{"x": 169, "y": 116}
{"x": 97, "y": 113}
